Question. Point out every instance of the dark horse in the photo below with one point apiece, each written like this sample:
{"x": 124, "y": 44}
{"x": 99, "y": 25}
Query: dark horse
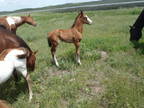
{"x": 10, "y": 40}
{"x": 136, "y": 29}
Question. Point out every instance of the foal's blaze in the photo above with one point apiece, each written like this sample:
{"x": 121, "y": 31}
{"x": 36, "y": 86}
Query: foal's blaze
{"x": 72, "y": 35}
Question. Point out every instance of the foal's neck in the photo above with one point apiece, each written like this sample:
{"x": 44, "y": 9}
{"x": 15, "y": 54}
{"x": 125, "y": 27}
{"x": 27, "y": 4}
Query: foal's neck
{"x": 78, "y": 25}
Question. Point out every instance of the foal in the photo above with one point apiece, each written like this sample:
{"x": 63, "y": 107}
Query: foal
{"x": 72, "y": 35}
{"x": 13, "y": 22}
{"x": 14, "y": 59}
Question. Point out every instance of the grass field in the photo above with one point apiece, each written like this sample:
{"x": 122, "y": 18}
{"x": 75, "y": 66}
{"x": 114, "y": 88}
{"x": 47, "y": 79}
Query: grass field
{"x": 113, "y": 82}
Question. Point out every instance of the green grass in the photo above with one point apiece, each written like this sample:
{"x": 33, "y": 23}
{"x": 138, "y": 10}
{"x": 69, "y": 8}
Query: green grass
{"x": 115, "y": 82}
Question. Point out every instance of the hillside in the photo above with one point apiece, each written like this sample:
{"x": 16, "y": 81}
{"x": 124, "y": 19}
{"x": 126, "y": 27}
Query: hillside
{"x": 57, "y": 7}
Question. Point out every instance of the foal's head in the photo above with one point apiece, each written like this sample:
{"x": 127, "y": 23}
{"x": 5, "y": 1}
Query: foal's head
{"x": 135, "y": 33}
{"x": 84, "y": 18}
{"x": 31, "y": 61}
{"x": 29, "y": 19}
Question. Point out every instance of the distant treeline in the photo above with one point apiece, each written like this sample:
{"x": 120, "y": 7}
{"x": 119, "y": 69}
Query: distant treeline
{"x": 95, "y": 5}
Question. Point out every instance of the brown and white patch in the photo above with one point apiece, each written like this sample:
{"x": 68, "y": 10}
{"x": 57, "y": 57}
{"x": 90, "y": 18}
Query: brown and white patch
{"x": 13, "y": 20}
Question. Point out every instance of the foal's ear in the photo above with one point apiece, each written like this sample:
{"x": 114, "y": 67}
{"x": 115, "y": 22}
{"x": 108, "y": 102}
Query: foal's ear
{"x": 81, "y": 13}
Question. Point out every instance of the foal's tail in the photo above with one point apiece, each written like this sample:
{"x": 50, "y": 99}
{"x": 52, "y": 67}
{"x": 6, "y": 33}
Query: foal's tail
{"x": 49, "y": 42}
{"x": 48, "y": 39}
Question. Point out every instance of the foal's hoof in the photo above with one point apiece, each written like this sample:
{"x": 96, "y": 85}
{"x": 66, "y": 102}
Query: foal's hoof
{"x": 79, "y": 63}
{"x": 30, "y": 98}
{"x": 57, "y": 65}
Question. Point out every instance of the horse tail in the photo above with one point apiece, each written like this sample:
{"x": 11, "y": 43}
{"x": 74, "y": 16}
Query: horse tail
{"x": 49, "y": 42}
{"x": 48, "y": 39}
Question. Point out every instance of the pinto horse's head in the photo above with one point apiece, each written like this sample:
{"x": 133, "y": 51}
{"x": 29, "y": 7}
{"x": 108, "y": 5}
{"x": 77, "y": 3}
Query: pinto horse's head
{"x": 31, "y": 59}
{"x": 84, "y": 18}
{"x": 135, "y": 33}
{"x": 29, "y": 19}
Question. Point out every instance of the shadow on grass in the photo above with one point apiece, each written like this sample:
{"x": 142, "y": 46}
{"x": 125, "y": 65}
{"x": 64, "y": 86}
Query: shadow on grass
{"x": 10, "y": 90}
{"x": 139, "y": 47}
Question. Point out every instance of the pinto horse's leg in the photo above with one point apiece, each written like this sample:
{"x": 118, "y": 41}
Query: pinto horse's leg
{"x": 77, "y": 45}
{"x": 27, "y": 78}
{"x": 29, "y": 87}
{"x": 53, "y": 50}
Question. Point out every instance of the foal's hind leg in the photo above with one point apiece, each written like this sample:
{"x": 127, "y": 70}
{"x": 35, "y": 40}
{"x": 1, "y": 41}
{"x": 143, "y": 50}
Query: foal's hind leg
{"x": 77, "y": 45}
{"x": 53, "y": 50}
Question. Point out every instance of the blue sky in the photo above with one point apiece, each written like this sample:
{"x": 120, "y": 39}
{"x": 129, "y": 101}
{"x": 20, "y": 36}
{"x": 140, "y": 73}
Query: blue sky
{"x": 10, "y": 5}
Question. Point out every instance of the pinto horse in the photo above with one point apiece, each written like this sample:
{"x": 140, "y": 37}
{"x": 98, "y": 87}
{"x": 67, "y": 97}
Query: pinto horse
{"x": 136, "y": 29}
{"x": 72, "y": 35}
{"x": 13, "y": 22}
{"x": 14, "y": 59}
{"x": 10, "y": 40}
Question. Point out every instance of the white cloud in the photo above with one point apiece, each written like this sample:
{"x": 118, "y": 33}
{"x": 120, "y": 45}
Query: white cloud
{"x": 2, "y": 0}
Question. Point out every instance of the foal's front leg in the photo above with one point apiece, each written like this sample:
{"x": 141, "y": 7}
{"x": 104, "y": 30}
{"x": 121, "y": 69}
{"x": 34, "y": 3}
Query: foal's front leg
{"x": 77, "y": 45}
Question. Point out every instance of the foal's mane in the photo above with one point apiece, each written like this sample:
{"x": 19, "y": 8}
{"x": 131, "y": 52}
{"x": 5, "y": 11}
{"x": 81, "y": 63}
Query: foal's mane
{"x": 75, "y": 20}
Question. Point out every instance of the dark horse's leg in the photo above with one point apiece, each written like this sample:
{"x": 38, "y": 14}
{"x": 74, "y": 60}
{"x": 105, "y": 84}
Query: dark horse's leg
{"x": 135, "y": 33}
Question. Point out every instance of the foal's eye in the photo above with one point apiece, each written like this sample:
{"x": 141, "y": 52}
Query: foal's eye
{"x": 85, "y": 18}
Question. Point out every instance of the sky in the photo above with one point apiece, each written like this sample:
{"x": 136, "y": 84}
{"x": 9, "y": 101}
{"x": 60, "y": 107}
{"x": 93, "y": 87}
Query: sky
{"x": 10, "y": 5}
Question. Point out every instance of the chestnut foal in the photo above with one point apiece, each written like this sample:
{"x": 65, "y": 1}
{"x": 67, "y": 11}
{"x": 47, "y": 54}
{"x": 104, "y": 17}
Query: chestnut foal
{"x": 72, "y": 35}
{"x": 13, "y": 22}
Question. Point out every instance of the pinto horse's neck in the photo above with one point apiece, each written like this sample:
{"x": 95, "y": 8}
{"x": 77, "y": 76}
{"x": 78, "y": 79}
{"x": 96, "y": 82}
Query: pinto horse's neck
{"x": 78, "y": 25}
{"x": 23, "y": 20}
